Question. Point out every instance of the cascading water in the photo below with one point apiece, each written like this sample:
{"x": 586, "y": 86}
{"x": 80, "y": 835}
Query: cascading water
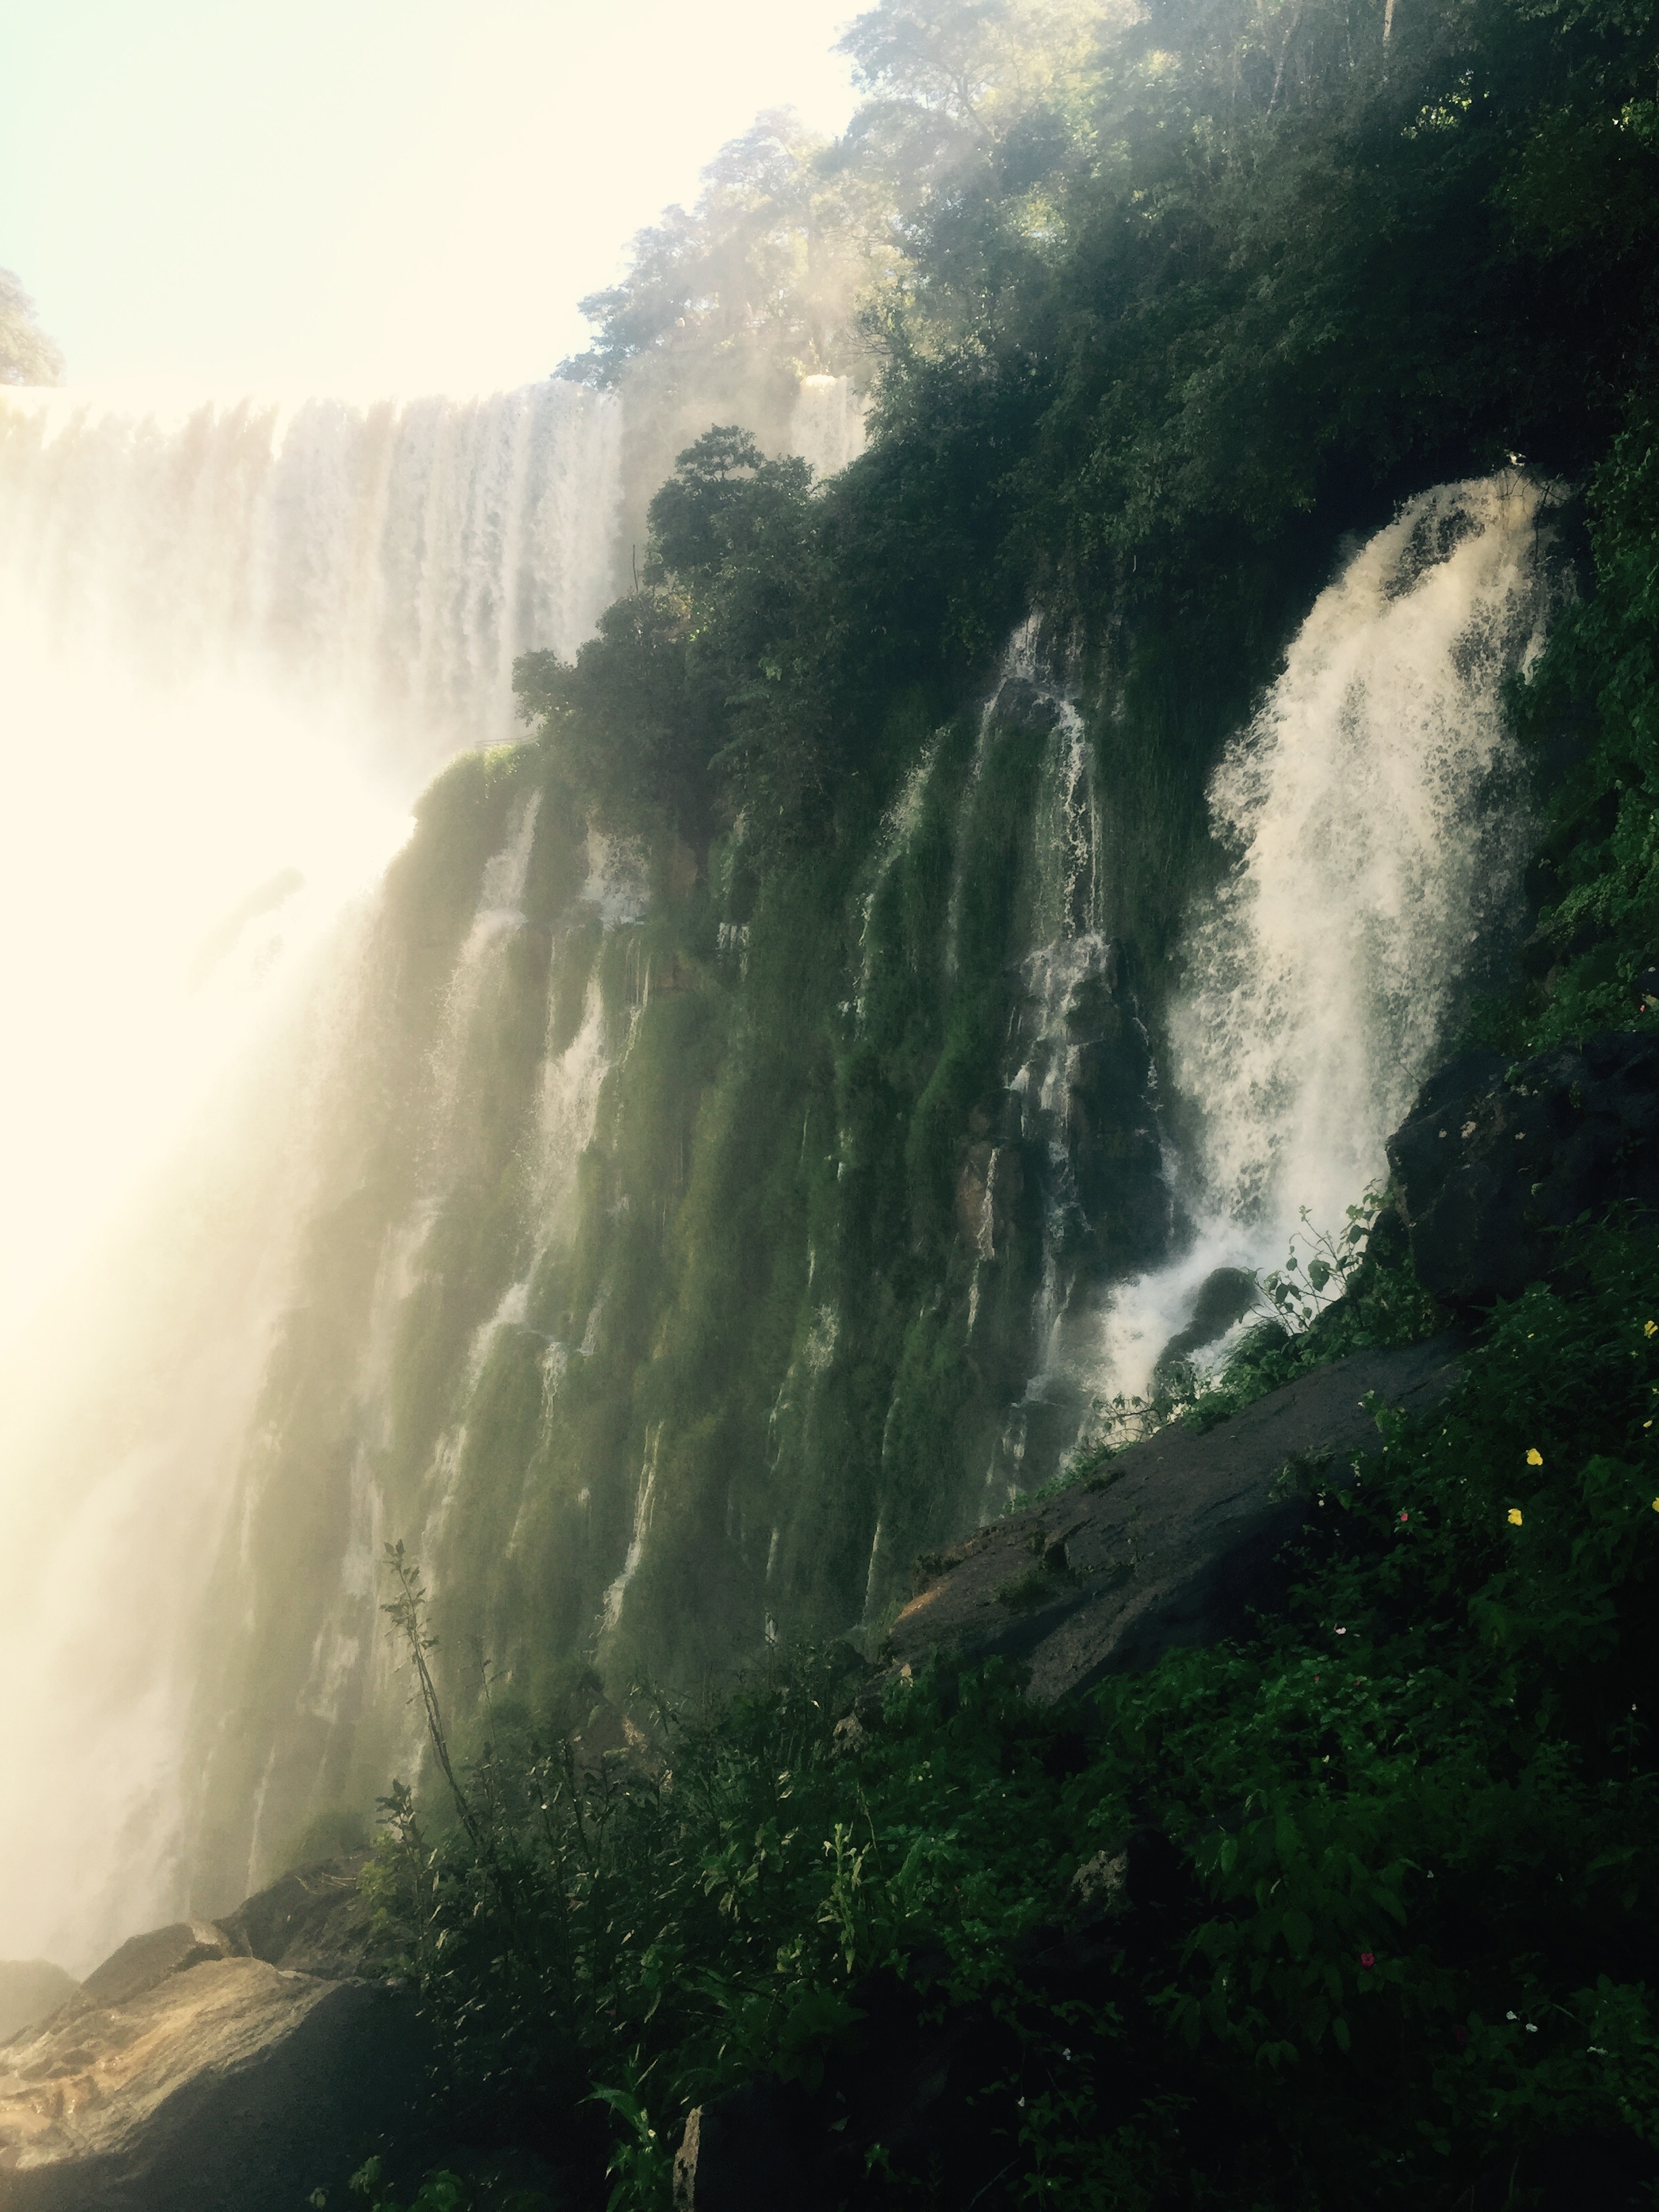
{"x": 826, "y": 425}
{"x": 1080, "y": 1092}
{"x": 389, "y": 561}
{"x": 316, "y": 1667}
{"x": 1375, "y": 837}
{"x": 464, "y": 1146}
{"x": 237, "y": 644}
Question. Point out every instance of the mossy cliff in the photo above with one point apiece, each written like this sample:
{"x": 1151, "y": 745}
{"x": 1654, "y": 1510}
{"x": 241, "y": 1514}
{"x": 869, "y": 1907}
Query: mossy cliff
{"x": 677, "y": 1271}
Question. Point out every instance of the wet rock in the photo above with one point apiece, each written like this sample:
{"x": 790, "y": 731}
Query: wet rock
{"x": 1083, "y": 1089}
{"x": 189, "y": 2074}
{"x": 313, "y": 1921}
{"x": 988, "y": 1191}
{"x": 1023, "y": 706}
{"x": 1172, "y": 1544}
{"x": 143, "y": 1960}
{"x": 1225, "y": 1296}
{"x": 1496, "y": 1161}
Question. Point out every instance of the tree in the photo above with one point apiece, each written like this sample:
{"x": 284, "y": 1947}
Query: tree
{"x": 27, "y": 355}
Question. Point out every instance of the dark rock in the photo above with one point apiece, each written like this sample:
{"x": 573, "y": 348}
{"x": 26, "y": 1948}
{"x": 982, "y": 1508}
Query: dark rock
{"x": 749, "y": 2151}
{"x": 215, "y": 2068}
{"x": 1224, "y": 1297}
{"x": 1021, "y": 705}
{"x": 144, "y": 1960}
{"x": 1172, "y": 1544}
{"x": 1494, "y": 1161}
{"x": 31, "y": 1990}
{"x": 1388, "y": 1243}
{"x": 314, "y": 1921}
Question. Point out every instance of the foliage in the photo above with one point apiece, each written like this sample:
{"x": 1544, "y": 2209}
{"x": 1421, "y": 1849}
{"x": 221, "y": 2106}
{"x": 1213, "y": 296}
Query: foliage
{"x": 1160, "y": 313}
{"x": 27, "y": 355}
{"x": 1390, "y": 1899}
{"x": 1164, "y": 302}
{"x": 1590, "y": 711}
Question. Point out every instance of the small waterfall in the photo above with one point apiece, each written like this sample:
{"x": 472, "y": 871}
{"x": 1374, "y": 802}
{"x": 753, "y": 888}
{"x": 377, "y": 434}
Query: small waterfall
{"x": 1079, "y": 1098}
{"x": 338, "y": 1676}
{"x": 826, "y": 426}
{"x": 1375, "y": 841}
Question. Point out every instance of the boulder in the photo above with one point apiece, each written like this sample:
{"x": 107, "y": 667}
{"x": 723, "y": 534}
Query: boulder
{"x": 143, "y": 1960}
{"x": 1171, "y": 1543}
{"x": 750, "y": 2150}
{"x": 315, "y": 1921}
{"x": 191, "y": 2072}
{"x": 1495, "y": 1160}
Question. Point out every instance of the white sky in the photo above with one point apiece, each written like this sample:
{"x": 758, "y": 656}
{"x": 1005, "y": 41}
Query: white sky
{"x": 365, "y": 195}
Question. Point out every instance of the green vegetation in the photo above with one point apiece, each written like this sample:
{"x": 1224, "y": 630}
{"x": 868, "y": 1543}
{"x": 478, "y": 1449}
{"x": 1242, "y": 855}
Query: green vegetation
{"x": 1389, "y": 1925}
{"x": 1169, "y": 303}
{"x": 1590, "y": 711}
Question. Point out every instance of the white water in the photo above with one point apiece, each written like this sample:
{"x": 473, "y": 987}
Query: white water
{"x": 236, "y": 645}
{"x": 352, "y": 1672}
{"x": 389, "y": 559}
{"x": 1375, "y": 843}
{"x": 826, "y": 426}
{"x": 237, "y": 642}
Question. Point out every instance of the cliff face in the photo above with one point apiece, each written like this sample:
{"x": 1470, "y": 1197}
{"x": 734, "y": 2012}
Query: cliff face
{"x": 686, "y": 1247}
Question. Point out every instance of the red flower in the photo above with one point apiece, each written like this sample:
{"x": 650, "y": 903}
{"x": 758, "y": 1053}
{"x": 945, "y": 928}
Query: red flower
{"x": 1368, "y": 1957}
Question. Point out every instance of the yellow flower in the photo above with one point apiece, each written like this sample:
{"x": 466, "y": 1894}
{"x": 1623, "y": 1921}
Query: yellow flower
{"x": 1514, "y": 1515}
{"x": 1535, "y": 1457}
{"x": 1650, "y": 1328}
{"x": 1655, "y": 1504}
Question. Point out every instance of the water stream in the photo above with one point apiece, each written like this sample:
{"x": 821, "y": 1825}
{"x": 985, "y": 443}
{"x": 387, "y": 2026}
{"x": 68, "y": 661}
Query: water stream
{"x": 1374, "y": 828}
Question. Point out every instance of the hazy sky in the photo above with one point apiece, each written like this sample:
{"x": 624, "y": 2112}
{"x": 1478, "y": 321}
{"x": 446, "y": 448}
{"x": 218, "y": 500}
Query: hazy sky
{"x": 359, "y": 195}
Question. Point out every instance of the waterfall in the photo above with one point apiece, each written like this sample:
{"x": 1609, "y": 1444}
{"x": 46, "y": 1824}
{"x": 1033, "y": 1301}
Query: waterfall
{"x": 319, "y": 1675}
{"x": 826, "y": 426}
{"x": 390, "y": 559}
{"x": 1373, "y": 838}
{"x": 238, "y": 640}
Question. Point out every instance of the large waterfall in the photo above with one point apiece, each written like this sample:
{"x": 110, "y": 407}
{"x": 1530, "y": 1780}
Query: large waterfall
{"x": 425, "y": 1216}
{"x": 384, "y": 564}
{"x": 238, "y": 642}
{"x": 1370, "y": 827}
